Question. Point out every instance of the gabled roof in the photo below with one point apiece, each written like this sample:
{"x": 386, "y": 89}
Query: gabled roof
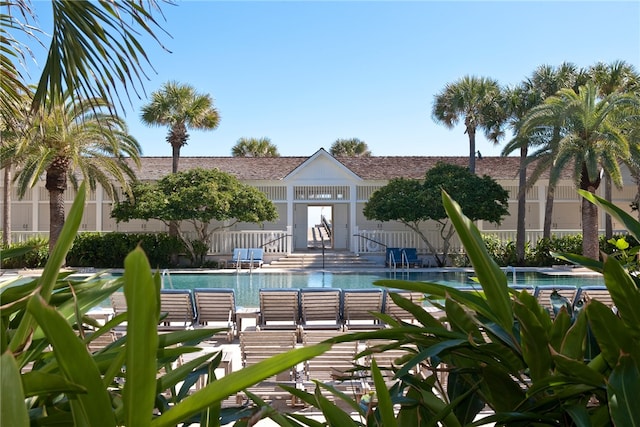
{"x": 367, "y": 168}
{"x": 322, "y": 153}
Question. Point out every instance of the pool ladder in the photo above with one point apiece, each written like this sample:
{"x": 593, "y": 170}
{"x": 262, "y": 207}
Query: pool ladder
{"x": 167, "y": 274}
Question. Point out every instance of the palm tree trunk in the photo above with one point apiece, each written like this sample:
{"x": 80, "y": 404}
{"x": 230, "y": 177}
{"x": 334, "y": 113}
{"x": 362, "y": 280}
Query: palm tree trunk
{"x": 522, "y": 206}
{"x": 56, "y": 215}
{"x": 472, "y": 149}
{"x": 56, "y": 184}
{"x": 6, "y": 208}
{"x": 176, "y": 158}
{"x": 590, "y": 245}
{"x": 548, "y": 211}
{"x": 608, "y": 195}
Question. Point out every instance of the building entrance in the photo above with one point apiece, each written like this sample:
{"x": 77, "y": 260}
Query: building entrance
{"x": 319, "y": 227}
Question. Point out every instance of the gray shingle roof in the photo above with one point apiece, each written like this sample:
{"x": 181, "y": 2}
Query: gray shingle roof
{"x": 368, "y": 168}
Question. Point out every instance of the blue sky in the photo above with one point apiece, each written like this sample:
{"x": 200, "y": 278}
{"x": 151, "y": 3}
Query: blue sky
{"x": 307, "y": 73}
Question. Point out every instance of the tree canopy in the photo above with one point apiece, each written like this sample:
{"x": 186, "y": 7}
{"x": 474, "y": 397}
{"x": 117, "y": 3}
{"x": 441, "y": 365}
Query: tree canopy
{"x": 413, "y": 202}
{"x": 254, "y": 147}
{"x": 352, "y": 147}
{"x": 196, "y": 197}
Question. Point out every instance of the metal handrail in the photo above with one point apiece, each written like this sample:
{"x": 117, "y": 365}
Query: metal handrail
{"x": 275, "y": 240}
{"x": 372, "y": 240}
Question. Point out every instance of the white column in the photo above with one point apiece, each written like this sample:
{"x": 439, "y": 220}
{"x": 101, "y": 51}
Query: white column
{"x": 290, "y": 197}
{"x": 98, "y": 202}
{"x": 542, "y": 198}
{"x": 353, "y": 203}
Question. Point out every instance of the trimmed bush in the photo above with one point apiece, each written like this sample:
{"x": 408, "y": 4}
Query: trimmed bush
{"x": 108, "y": 250}
{"x": 36, "y": 258}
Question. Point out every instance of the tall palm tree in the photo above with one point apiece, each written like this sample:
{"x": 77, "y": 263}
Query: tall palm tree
{"x": 477, "y": 101}
{"x": 71, "y": 139}
{"x": 544, "y": 82}
{"x": 254, "y": 147}
{"x": 518, "y": 101}
{"x": 589, "y": 143}
{"x": 12, "y": 127}
{"x": 618, "y": 76}
{"x": 180, "y": 107}
{"x": 352, "y": 147}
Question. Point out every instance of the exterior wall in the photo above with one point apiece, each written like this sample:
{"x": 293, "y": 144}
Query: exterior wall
{"x": 323, "y": 181}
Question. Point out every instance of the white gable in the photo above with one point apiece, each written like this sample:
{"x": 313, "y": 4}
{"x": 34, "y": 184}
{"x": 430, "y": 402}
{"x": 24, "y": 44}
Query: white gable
{"x": 322, "y": 168}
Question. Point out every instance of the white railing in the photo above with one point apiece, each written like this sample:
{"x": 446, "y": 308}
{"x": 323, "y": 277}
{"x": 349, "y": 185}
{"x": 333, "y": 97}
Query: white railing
{"x": 365, "y": 241}
{"x": 272, "y": 241}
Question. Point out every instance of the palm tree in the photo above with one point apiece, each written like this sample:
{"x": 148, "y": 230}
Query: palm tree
{"x": 518, "y": 101}
{"x": 95, "y": 49}
{"x": 72, "y": 139}
{"x": 180, "y": 107}
{"x": 254, "y": 147}
{"x": 544, "y": 82}
{"x": 477, "y": 101}
{"x": 352, "y": 147}
{"x": 12, "y": 127}
{"x": 589, "y": 144}
{"x": 622, "y": 77}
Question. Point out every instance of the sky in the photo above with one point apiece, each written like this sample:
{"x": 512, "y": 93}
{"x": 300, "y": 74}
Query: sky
{"x": 305, "y": 74}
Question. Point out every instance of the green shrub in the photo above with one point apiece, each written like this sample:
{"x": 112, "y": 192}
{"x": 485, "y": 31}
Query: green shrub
{"x": 541, "y": 254}
{"x": 35, "y": 258}
{"x": 504, "y": 252}
{"x": 108, "y": 250}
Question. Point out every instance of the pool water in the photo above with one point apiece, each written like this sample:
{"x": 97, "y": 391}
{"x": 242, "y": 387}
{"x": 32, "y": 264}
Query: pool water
{"x": 246, "y": 285}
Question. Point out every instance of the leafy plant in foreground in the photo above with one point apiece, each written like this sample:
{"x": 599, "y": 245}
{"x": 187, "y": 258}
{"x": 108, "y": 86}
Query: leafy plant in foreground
{"x": 49, "y": 376}
{"x": 498, "y": 348}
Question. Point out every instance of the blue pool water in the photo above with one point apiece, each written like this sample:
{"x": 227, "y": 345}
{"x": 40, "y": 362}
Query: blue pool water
{"x": 247, "y": 285}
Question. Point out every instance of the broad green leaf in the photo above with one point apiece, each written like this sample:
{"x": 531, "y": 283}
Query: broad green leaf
{"x": 37, "y": 383}
{"x": 75, "y": 362}
{"x": 574, "y": 340}
{"x": 610, "y": 332}
{"x": 267, "y": 411}
{"x": 630, "y": 223}
{"x": 491, "y": 277}
{"x": 234, "y": 383}
{"x": 578, "y": 370}
{"x": 535, "y": 344}
{"x": 460, "y": 320}
{"x": 142, "y": 339}
{"x": 580, "y": 260}
{"x": 625, "y": 295}
{"x": 56, "y": 259}
{"x": 623, "y": 391}
{"x": 334, "y": 416}
{"x": 13, "y": 411}
{"x": 385, "y": 406}
{"x": 559, "y": 328}
{"x": 170, "y": 379}
{"x": 506, "y": 393}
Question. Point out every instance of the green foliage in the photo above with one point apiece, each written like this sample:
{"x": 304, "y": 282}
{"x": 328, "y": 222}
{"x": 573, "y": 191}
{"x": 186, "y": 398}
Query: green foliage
{"x": 108, "y": 250}
{"x": 32, "y": 253}
{"x": 413, "y": 202}
{"x": 481, "y": 198}
{"x": 500, "y": 349}
{"x": 50, "y": 376}
{"x": 196, "y": 196}
{"x": 544, "y": 249}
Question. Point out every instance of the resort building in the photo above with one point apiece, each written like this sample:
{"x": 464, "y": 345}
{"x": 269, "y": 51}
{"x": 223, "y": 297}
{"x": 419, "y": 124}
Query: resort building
{"x": 320, "y": 200}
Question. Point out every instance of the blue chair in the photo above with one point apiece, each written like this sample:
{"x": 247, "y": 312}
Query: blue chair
{"x": 239, "y": 255}
{"x": 410, "y": 257}
{"x": 254, "y": 258}
{"x": 393, "y": 257}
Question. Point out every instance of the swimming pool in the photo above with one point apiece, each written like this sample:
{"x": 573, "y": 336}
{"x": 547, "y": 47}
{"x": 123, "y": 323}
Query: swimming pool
{"x": 246, "y": 286}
